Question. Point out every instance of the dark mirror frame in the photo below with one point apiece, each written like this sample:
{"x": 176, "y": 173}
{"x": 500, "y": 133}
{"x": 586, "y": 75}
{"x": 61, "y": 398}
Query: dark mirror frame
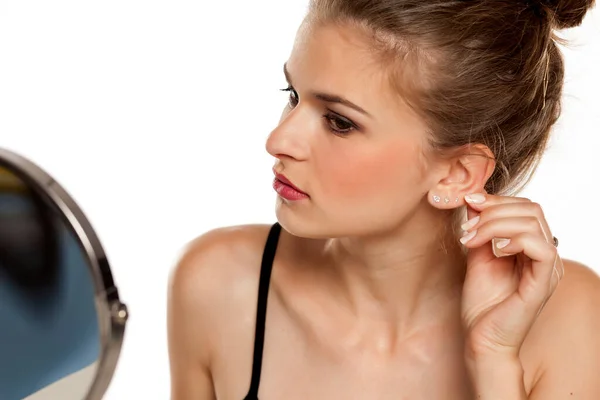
{"x": 112, "y": 313}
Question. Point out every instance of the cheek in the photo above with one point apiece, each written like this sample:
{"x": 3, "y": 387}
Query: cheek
{"x": 363, "y": 172}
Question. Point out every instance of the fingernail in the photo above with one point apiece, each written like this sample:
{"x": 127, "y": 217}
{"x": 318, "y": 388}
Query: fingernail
{"x": 475, "y": 198}
{"x": 468, "y": 237}
{"x": 470, "y": 223}
{"x": 502, "y": 243}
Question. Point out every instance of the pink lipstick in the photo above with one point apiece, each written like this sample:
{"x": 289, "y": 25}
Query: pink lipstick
{"x": 286, "y": 189}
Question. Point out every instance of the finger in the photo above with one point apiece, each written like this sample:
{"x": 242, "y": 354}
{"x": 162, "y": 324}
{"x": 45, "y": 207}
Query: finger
{"x": 517, "y": 209}
{"x": 555, "y": 280}
{"x": 477, "y": 202}
{"x": 481, "y": 201}
{"x": 502, "y": 228}
{"x": 471, "y": 213}
{"x": 560, "y": 268}
{"x": 544, "y": 257}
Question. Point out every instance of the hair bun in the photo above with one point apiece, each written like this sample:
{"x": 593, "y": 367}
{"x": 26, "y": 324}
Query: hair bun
{"x": 566, "y": 13}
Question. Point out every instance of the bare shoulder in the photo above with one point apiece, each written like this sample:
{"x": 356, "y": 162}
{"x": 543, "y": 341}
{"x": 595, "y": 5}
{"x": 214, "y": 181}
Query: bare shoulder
{"x": 211, "y": 300}
{"x": 221, "y": 256}
{"x": 219, "y": 269}
{"x": 572, "y": 308}
{"x": 565, "y": 340}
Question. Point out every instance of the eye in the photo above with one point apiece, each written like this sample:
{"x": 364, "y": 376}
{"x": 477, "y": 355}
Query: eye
{"x": 293, "y": 100}
{"x": 338, "y": 124}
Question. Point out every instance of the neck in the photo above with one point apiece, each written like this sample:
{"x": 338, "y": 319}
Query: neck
{"x": 405, "y": 279}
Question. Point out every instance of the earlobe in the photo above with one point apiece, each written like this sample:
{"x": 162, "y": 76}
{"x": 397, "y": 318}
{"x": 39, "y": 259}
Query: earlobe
{"x": 444, "y": 202}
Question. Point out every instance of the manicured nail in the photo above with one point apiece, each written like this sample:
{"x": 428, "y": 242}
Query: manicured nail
{"x": 470, "y": 223}
{"x": 476, "y": 198}
{"x": 468, "y": 237}
{"x": 502, "y": 243}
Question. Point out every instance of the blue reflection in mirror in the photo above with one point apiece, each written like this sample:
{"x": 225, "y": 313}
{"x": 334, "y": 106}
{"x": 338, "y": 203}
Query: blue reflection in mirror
{"x": 48, "y": 320}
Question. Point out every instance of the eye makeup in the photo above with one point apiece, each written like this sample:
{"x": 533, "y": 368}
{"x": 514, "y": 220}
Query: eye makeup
{"x": 334, "y": 122}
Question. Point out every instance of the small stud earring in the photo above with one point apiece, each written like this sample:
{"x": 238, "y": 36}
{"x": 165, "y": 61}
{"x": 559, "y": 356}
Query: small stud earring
{"x": 436, "y": 199}
{"x": 456, "y": 200}
{"x": 446, "y": 200}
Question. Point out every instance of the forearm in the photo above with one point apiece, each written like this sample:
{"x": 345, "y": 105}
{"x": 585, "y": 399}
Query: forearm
{"x": 497, "y": 378}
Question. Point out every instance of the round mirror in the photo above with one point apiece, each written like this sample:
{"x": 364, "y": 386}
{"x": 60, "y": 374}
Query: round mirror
{"x": 61, "y": 320}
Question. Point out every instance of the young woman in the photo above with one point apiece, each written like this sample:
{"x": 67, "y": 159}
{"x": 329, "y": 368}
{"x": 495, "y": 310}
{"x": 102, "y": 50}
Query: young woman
{"x": 402, "y": 266}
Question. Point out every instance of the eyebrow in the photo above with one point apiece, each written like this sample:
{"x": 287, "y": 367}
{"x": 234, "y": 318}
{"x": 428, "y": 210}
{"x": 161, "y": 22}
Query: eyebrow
{"x": 329, "y": 98}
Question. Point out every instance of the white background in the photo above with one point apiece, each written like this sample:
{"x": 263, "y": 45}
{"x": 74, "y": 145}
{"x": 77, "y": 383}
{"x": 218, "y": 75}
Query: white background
{"x": 153, "y": 115}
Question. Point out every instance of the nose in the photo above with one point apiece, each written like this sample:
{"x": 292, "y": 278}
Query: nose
{"x": 290, "y": 137}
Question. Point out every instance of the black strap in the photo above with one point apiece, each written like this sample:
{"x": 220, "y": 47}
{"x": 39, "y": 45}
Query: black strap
{"x": 261, "y": 308}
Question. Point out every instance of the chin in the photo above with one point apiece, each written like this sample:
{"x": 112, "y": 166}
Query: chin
{"x": 301, "y": 221}
{"x": 305, "y": 222}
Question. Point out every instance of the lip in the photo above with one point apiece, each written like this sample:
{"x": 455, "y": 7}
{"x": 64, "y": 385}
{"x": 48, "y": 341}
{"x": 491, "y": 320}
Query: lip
{"x": 286, "y": 189}
{"x": 285, "y": 180}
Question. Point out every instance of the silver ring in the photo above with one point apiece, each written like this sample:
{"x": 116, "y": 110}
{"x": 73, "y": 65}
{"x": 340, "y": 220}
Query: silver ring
{"x": 555, "y": 240}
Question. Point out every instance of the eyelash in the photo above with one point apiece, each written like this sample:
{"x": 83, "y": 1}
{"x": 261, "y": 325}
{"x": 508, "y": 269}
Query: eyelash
{"x": 329, "y": 117}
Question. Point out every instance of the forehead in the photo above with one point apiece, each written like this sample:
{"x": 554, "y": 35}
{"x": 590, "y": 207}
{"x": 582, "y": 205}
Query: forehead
{"x": 338, "y": 59}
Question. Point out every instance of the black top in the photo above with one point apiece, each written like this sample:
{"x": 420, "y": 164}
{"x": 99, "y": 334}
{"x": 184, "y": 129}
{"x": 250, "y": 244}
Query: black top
{"x": 261, "y": 308}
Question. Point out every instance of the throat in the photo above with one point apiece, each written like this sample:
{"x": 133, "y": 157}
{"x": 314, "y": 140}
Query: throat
{"x": 397, "y": 297}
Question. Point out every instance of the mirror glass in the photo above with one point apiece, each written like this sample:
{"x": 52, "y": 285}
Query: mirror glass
{"x": 50, "y": 340}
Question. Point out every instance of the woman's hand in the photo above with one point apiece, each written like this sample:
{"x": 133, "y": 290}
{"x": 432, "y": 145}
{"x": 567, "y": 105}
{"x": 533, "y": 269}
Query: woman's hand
{"x": 512, "y": 270}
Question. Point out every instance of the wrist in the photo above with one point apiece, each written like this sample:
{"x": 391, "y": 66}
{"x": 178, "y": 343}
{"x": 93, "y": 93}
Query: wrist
{"x": 496, "y": 377}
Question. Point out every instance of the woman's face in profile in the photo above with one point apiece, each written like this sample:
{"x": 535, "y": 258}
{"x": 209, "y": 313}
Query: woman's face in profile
{"x": 362, "y": 164}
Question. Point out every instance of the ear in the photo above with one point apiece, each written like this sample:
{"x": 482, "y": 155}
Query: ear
{"x": 465, "y": 172}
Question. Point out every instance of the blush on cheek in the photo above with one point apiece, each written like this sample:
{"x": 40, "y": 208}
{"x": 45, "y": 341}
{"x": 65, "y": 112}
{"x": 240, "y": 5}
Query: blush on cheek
{"x": 365, "y": 174}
